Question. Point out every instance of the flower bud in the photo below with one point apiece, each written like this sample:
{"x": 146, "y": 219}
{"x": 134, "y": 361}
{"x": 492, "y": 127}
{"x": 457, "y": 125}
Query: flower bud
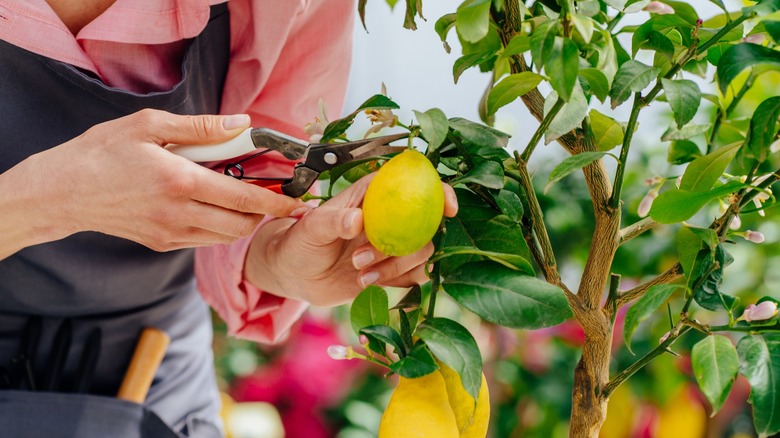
{"x": 754, "y": 236}
{"x": 659, "y": 8}
{"x": 760, "y": 312}
{"x": 363, "y": 339}
{"x": 647, "y": 203}
{"x": 338, "y": 352}
{"x": 756, "y": 38}
{"x": 736, "y": 223}
{"x": 663, "y": 338}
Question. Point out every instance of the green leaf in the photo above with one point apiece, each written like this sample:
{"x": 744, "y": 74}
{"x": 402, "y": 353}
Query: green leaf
{"x": 684, "y": 133}
{"x": 688, "y": 245}
{"x": 562, "y": 66}
{"x": 632, "y": 77}
{"x": 511, "y": 261}
{"x": 417, "y": 363}
{"x": 763, "y": 128}
{"x": 465, "y": 62}
{"x": 720, "y": 4}
{"x": 684, "y": 97}
{"x": 741, "y": 56}
{"x": 706, "y": 277}
{"x": 759, "y": 361}
{"x": 362, "y": 12}
{"x": 411, "y": 12}
{"x": 434, "y": 127}
{"x": 473, "y": 19}
{"x": 442, "y": 28}
{"x": 480, "y": 226}
{"x": 452, "y": 344}
{"x": 369, "y": 308}
{"x": 657, "y": 42}
{"x": 763, "y": 7}
{"x": 673, "y": 206}
{"x": 597, "y": 82}
{"x": 684, "y": 11}
{"x": 485, "y": 173}
{"x": 542, "y": 41}
{"x": 569, "y": 117}
{"x": 338, "y": 127}
{"x": 411, "y": 300}
{"x": 715, "y": 365}
{"x": 478, "y": 134}
{"x": 651, "y": 34}
{"x": 682, "y": 151}
{"x": 584, "y": 26}
{"x": 773, "y": 29}
{"x": 704, "y": 171}
{"x": 708, "y": 236}
{"x": 510, "y": 88}
{"x": 571, "y": 164}
{"x": 627, "y": 6}
{"x": 607, "y": 133}
{"x": 644, "y": 307}
{"x": 517, "y": 45}
{"x": 509, "y": 204}
{"x": 503, "y": 296}
{"x": 385, "y": 335}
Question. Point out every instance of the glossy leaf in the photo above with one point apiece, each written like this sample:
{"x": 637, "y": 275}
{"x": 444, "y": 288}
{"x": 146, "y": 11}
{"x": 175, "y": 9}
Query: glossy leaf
{"x": 442, "y": 28}
{"x": 511, "y": 261}
{"x": 684, "y": 96}
{"x": 715, "y": 366}
{"x": 704, "y": 171}
{"x": 688, "y": 246}
{"x": 584, "y": 26}
{"x": 482, "y": 227}
{"x": 417, "y": 363}
{"x": 650, "y": 34}
{"x": 505, "y": 297}
{"x": 627, "y": 6}
{"x": 597, "y": 82}
{"x": 485, "y": 173}
{"x": 478, "y": 134}
{"x": 465, "y": 62}
{"x": 673, "y": 206}
{"x": 632, "y": 77}
{"x": 607, "y": 132}
{"x": 434, "y": 127}
{"x": 453, "y": 345}
{"x": 684, "y": 133}
{"x": 759, "y": 361}
{"x": 683, "y": 151}
{"x": 510, "y": 88}
{"x": 542, "y": 41}
{"x": 473, "y": 19}
{"x": 509, "y": 204}
{"x": 571, "y": 164}
{"x": 706, "y": 277}
{"x": 517, "y": 45}
{"x": 369, "y": 308}
{"x": 569, "y": 117}
{"x": 383, "y": 334}
{"x": 562, "y": 66}
{"x": 763, "y": 128}
{"x": 741, "y": 56}
{"x": 644, "y": 307}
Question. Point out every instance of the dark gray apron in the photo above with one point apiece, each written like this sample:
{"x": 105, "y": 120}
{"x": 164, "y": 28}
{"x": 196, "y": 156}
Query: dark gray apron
{"x": 98, "y": 280}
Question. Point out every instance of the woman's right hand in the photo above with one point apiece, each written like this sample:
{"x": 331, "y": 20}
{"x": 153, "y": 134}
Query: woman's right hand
{"x": 118, "y": 179}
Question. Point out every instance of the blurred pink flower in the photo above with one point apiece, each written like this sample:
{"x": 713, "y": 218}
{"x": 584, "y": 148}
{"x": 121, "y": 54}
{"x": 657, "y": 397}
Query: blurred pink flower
{"x": 659, "y": 8}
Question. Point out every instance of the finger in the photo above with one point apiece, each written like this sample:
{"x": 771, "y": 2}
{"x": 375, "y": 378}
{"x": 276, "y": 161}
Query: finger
{"x": 325, "y": 225}
{"x": 165, "y": 128}
{"x": 229, "y": 223}
{"x": 391, "y": 269}
{"x": 417, "y": 275}
{"x": 450, "y": 201}
{"x": 226, "y": 192}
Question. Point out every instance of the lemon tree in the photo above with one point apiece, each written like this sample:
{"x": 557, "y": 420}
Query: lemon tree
{"x": 587, "y": 74}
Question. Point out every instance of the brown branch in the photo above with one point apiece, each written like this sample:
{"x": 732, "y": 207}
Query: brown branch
{"x": 668, "y": 276}
{"x": 636, "y": 229}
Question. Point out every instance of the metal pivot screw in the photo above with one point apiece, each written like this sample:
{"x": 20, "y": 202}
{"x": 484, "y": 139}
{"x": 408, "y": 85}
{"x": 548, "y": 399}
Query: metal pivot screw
{"x": 330, "y": 158}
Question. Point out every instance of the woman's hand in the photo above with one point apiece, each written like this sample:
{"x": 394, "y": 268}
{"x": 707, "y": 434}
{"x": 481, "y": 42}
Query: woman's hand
{"x": 324, "y": 258}
{"x": 118, "y": 179}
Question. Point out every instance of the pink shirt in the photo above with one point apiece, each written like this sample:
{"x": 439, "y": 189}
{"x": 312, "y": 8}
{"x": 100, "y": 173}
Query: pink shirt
{"x": 285, "y": 56}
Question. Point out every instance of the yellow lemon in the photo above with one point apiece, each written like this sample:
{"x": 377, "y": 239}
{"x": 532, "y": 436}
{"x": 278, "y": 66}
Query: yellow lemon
{"x": 419, "y": 408}
{"x": 472, "y": 418}
{"x": 621, "y": 411}
{"x": 403, "y": 205}
{"x": 683, "y": 416}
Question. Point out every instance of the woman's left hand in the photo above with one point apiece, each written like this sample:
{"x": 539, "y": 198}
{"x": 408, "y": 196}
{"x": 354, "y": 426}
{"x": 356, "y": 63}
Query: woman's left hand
{"x": 324, "y": 257}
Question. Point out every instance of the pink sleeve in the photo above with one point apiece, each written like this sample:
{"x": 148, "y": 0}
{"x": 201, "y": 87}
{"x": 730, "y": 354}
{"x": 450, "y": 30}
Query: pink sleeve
{"x": 285, "y": 56}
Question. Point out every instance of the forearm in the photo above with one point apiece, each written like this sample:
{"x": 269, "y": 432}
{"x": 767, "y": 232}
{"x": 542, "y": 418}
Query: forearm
{"x": 26, "y": 210}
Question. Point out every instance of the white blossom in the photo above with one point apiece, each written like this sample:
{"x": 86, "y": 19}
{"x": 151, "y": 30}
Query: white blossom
{"x": 316, "y": 129}
{"x": 754, "y": 236}
{"x": 659, "y": 8}
{"x": 760, "y": 312}
{"x": 338, "y": 352}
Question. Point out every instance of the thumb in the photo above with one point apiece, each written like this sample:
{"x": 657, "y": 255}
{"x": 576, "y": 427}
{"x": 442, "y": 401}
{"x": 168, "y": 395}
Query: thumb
{"x": 168, "y": 128}
{"x": 325, "y": 225}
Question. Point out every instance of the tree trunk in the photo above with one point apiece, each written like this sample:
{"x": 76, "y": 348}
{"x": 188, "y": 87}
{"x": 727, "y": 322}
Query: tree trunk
{"x": 589, "y": 409}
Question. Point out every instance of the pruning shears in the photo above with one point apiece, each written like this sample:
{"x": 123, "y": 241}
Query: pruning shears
{"x": 314, "y": 158}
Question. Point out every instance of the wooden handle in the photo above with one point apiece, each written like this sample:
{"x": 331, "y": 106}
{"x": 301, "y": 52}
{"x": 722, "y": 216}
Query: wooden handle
{"x": 148, "y": 355}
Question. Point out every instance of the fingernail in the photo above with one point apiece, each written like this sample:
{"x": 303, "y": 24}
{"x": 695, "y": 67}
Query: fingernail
{"x": 349, "y": 219}
{"x": 362, "y": 259}
{"x": 369, "y": 278}
{"x": 236, "y": 121}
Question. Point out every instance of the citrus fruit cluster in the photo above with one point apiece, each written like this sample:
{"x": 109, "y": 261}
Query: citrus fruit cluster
{"x": 436, "y": 406}
{"x": 403, "y": 205}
